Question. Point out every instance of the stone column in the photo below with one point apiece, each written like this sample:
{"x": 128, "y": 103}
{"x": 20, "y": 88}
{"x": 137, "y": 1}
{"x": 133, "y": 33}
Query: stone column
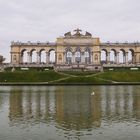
{"x": 73, "y": 57}
{"x": 126, "y": 58}
{"x": 29, "y": 59}
{"x": 55, "y": 58}
{"x": 91, "y": 57}
{"x": 108, "y": 57}
{"x": 38, "y": 58}
{"x": 133, "y": 59}
{"x": 47, "y": 57}
{"x": 11, "y": 58}
{"x": 117, "y": 57}
{"x": 64, "y": 57}
{"x": 82, "y": 57}
{"x": 21, "y": 58}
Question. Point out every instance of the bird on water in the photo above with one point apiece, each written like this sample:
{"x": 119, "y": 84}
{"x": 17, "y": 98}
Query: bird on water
{"x": 92, "y": 93}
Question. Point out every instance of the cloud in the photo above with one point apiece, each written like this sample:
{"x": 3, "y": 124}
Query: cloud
{"x": 45, "y": 20}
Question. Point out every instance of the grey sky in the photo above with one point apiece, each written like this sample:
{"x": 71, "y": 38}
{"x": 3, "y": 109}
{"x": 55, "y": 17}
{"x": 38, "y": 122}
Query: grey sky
{"x": 45, "y": 20}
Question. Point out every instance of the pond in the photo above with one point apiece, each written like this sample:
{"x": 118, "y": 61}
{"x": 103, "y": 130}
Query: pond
{"x": 69, "y": 112}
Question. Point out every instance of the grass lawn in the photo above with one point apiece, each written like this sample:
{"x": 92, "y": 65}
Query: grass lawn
{"x": 83, "y": 80}
{"x": 29, "y": 76}
{"x": 121, "y": 76}
{"x": 79, "y": 73}
{"x": 53, "y": 77}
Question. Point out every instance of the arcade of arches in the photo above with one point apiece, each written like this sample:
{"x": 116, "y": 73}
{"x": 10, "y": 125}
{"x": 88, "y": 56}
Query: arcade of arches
{"x": 74, "y": 51}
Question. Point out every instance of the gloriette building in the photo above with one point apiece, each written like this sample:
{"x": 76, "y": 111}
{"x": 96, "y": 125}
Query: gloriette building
{"x": 75, "y": 51}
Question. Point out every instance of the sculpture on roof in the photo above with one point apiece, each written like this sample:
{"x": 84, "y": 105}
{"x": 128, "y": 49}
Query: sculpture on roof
{"x": 88, "y": 34}
{"x": 67, "y": 34}
{"x": 77, "y": 32}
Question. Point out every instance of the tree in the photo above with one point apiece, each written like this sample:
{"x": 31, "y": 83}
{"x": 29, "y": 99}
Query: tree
{"x": 1, "y": 59}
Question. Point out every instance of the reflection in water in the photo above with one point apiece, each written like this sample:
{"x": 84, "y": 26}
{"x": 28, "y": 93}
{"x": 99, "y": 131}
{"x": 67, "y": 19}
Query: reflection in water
{"x": 69, "y": 108}
{"x": 78, "y": 110}
{"x": 16, "y": 108}
{"x": 136, "y": 105}
{"x": 72, "y": 108}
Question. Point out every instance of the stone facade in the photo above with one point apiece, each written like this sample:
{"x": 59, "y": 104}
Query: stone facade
{"x": 74, "y": 51}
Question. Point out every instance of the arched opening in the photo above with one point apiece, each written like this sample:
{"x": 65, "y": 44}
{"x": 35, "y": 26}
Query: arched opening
{"x": 24, "y": 56}
{"x": 78, "y": 55}
{"x": 68, "y": 57}
{"x": 43, "y": 56}
{"x": 122, "y": 56}
{"x": 87, "y": 56}
{"x": 103, "y": 56}
{"x": 113, "y": 56}
{"x": 52, "y": 57}
{"x": 33, "y": 56}
{"x": 130, "y": 56}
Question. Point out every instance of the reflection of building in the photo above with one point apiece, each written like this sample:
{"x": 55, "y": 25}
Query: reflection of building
{"x": 136, "y": 105}
{"x": 31, "y": 104}
{"x": 120, "y": 101}
{"x": 65, "y": 107}
{"x": 78, "y": 110}
{"x": 15, "y": 106}
{"x": 77, "y": 51}
{"x": 73, "y": 107}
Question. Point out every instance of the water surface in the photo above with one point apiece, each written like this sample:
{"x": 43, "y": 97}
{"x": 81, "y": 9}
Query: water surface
{"x": 69, "y": 112}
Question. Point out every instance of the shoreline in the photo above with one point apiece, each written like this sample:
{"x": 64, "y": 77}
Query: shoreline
{"x": 61, "y": 84}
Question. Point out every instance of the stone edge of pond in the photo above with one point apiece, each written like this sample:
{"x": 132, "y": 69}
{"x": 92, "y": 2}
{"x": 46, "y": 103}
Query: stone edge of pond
{"x": 75, "y": 84}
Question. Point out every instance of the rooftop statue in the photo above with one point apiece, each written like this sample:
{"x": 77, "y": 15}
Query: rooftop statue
{"x": 67, "y": 34}
{"x": 77, "y": 32}
{"x": 88, "y": 34}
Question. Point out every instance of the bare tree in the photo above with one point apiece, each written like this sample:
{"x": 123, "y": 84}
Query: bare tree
{"x": 1, "y": 59}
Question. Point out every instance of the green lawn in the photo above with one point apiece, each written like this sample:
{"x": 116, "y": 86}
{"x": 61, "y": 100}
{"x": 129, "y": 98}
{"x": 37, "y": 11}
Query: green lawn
{"x": 53, "y": 77}
{"x": 79, "y": 73}
{"x": 29, "y": 76}
{"x": 121, "y": 76}
{"x": 83, "y": 80}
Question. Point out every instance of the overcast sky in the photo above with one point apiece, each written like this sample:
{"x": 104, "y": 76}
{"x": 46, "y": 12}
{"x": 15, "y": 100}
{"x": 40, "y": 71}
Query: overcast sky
{"x": 45, "y": 20}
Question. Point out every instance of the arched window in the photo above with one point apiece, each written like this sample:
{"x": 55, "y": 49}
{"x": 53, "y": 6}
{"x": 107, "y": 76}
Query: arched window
{"x": 68, "y": 57}
{"x": 52, "y": 56}
{"x": 78, "y": 56}
{"x": 130, "y": 56}
{"x": 103, "y": 56}
{"x": 122, "y": 56}
{"x": 24, "y": 56}
{"x": 87, "y": 56}
{"x": 42, "y": 56}
{"x": 33, "y": 55}
{"x": 113, "y": 56}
